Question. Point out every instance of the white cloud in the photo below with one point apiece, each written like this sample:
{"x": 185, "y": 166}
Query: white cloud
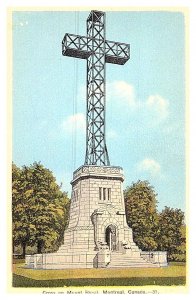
{"x": 122, "y": 91}
{"x": 154, "y": 109}
{"x": 121, "y": 99}
{"x": 152, "y": 112}
{"x": 111, "y": 134}
{"x": 158, "y": 105}
{"x": 118, "y": 90}
{"x": 74, "y": 123}
{"x": 149, "y": 165}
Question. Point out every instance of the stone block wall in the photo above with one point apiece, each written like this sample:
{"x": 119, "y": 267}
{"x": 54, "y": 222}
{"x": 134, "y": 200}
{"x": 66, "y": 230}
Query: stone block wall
{"x": 89, "y": 185}
{"x": 97, "y": 224}
{"x": 97, "y": 202}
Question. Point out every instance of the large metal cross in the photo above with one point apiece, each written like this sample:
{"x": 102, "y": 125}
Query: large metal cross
{"x": 97, "y": 51}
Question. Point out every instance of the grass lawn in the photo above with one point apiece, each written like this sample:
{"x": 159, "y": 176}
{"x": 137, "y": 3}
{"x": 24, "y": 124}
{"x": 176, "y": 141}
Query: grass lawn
{"x": 167, "y": 276}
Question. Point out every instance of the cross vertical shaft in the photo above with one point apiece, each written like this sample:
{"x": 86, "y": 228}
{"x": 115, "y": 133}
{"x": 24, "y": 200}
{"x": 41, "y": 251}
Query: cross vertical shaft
{"x": 97, "y": 51}
{"x": 96, "y": 150}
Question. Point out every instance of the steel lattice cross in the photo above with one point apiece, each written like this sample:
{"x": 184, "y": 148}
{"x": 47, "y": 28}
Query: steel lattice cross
{"x": 97, "y": 51}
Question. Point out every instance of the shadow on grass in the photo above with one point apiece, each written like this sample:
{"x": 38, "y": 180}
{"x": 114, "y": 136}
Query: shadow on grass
{"x": 21, "y": 281}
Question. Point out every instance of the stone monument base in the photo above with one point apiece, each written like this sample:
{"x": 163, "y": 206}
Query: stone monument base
{"x": 61, "y": 261}
{"x": 101, "y": 259}
{"x": 98, "y": 235}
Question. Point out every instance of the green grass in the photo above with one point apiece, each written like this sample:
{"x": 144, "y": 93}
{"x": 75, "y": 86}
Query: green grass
{"x": 18, "y": 260}
{"x": 177, "y": 263}
{"x": 173, "y": 275}
{"x": 21, "y": 281}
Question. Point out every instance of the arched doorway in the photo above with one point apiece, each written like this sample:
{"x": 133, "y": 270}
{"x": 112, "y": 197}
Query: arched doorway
{"x": 110, "y": 237}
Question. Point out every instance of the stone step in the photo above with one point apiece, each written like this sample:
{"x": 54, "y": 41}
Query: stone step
{"x": 120, "y": 266}
{"x": 129, "y": 260}
{"x": 119, "y": 260}
{"x": 132, "y": 262}
{"x": 125, "y": 256}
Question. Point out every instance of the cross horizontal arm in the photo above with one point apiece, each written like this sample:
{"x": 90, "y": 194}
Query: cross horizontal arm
{"x": 75, "y": 46}
{"x": 117, "y": 53}
{"x": 81, "y": 47}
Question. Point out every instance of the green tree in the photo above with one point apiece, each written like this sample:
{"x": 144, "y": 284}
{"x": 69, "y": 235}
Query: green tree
{"x": 172, "y": 233}
{"x": 20, "y": 210}
{"x": 49, "y": 209}
{"x": 44, "y": 208}
{"x": 141, "y": 212}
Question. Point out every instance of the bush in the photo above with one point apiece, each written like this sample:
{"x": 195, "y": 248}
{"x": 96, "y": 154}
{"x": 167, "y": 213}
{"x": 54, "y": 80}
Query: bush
{"x": 177, "y": 257}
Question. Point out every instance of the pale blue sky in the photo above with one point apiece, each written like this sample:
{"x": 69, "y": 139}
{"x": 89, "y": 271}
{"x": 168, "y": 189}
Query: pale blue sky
{"x": 145, "y": 98}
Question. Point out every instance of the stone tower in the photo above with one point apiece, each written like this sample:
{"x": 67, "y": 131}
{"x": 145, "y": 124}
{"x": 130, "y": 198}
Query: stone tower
{"x": 97, "y": 217}
{"x": 97, "y": 235}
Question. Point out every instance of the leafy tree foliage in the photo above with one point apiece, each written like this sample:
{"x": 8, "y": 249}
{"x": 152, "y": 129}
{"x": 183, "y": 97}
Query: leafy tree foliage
{"x": 172, "y": 233}
{"x": 20, "y": 210}
{"x": 141, "y": 212}
{"x": 152, "y": 230}
{"x": 40, "y": 208}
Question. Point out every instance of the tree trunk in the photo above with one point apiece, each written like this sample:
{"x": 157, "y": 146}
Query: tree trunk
{"x": 39, "y": 247}
{"x": 23, "y": 249}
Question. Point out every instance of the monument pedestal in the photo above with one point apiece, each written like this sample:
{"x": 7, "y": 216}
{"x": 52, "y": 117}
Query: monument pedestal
{"x": 98, "y": 232}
